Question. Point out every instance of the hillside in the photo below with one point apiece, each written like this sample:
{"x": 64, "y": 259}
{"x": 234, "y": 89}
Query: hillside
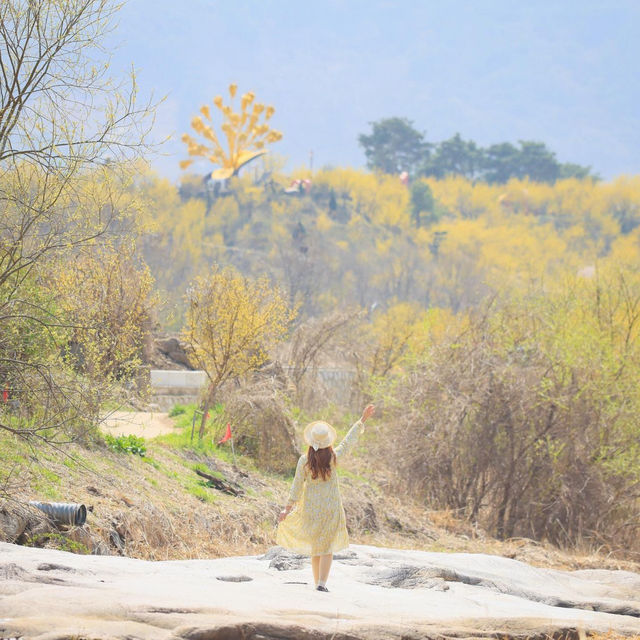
{"x": 359, "y": 238}
{"x": 156, "y": 506}
{"x": 499, "y": 334}
{"x": 161, "y": 509}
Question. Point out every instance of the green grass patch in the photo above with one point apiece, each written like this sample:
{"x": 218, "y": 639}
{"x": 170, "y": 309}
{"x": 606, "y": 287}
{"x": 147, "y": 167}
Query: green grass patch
{"x": 202, "y": 491}
{"x": 47, "y": 491}
{"x": 59, "y": 542}
{"x": 13, "y": 451}
{"x": 150, "y": 461}
{"x": 71, "y": 463}
{"x": 345, "y": 473}
{"x": 199, "y": 466}
{"x": 185, "y": 477}
{"x": 42, "y": 470}
{"x": 208, "y": 445}
{"x": 178, "y": 410}
{"x": 46, "y": 482}
{"x": 126, "y": 444}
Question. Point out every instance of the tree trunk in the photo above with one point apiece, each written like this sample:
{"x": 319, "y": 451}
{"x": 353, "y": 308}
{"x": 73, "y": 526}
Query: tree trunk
{"x": 208, "y": 401}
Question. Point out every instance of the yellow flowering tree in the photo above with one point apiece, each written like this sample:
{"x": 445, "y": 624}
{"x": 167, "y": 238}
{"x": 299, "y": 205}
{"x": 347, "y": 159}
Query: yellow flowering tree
{"x": 245, "y": 134}
{"x": 387, "y": 339}
{"x": 230, "y": 323}
{"x": 352, "y": 241}
{"x": 110, "y": 289}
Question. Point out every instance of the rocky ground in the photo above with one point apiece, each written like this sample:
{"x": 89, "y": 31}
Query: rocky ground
{"x": 374, "y": 593}
{"x": 158, "y": 508}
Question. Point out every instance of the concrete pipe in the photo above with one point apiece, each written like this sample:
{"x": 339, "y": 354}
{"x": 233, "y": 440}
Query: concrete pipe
{"x": 63, "y": 512}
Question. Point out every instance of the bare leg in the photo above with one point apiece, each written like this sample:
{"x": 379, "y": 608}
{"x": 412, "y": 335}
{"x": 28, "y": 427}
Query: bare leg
{"x": 315, "y": 567}
{"x": 325, "y": 566}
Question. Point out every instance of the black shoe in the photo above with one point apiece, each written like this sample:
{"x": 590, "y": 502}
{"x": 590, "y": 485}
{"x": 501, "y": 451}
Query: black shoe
{"x": 321, "y": 588}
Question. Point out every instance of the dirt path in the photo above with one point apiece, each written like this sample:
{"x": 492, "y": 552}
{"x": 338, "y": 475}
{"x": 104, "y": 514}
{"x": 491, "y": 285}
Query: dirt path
{"x": 139, "y": 423}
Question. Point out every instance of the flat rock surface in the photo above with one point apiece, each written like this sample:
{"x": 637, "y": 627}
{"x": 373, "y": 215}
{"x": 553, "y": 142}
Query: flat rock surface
{"x": 374, "y": 593}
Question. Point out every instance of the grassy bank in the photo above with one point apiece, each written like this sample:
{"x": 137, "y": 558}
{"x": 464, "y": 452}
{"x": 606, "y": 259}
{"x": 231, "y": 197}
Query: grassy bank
{"x": 156, "y": 506}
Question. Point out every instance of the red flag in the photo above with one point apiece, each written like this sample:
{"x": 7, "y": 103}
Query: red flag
{"x": 5, "y": 394}
{"x": 227, "y": 434}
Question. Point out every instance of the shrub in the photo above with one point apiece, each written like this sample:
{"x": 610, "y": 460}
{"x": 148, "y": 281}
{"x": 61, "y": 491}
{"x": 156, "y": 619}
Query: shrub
{"x": 526, "y": 420}
{"x": 127, "y": 444}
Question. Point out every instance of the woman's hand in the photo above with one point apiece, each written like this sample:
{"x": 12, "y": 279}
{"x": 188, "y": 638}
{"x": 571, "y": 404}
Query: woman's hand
{"x": 369, "y": 410}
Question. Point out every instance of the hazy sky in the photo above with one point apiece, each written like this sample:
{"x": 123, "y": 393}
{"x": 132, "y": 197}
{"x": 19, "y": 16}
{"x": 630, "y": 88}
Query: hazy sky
{"x": 564, "y": 72}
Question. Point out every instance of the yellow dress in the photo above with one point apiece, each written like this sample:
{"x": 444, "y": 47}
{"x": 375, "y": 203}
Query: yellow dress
{"x": 316, "y": 525}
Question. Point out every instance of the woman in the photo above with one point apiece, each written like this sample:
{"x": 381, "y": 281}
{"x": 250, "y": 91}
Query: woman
{"x": 317, "y": 525}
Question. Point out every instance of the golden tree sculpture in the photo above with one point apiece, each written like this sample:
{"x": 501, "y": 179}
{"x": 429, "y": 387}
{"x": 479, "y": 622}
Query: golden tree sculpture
{"x": 247, "y": 132}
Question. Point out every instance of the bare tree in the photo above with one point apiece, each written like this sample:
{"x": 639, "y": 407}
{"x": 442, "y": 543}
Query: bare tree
{"x": 311, "y": 342}
{"x": 66, "y": 131}
{"x": 59, "y": 107}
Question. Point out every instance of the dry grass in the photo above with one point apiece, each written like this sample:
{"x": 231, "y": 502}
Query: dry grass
{"x": 161, "y": 511}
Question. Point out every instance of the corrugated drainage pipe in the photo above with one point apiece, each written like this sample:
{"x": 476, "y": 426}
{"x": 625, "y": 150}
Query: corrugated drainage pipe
{"x": 63, "y": 512}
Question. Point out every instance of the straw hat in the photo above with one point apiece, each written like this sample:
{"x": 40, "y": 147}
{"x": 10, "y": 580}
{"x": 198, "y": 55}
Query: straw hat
{"x": 319, "y": 434}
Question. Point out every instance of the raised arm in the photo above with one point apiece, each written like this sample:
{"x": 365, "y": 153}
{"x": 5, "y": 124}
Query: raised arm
{"x": 351, "y": 438}
{"x": 349, "y": 441}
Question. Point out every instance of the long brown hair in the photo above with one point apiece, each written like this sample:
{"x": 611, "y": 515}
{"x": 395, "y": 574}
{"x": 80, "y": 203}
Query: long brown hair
{"x": 319, "y": 462}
